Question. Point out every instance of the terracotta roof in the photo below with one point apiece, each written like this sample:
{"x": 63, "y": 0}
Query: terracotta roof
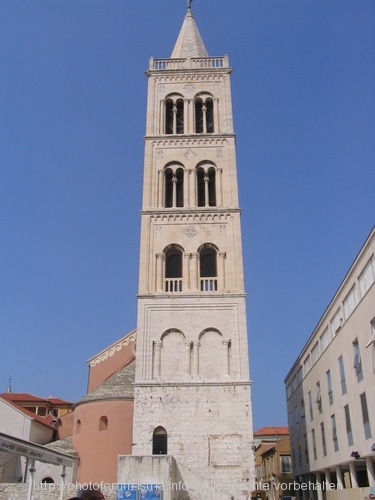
{"x": 24, "y": 397}
{"x": 117, "y": 386}
{"x": 272, "y": 431}
{"x": 38, "y": 418}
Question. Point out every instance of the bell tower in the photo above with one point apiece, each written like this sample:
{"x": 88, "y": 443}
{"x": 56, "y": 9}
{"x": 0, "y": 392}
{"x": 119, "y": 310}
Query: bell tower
{"x": 192, "y": 386}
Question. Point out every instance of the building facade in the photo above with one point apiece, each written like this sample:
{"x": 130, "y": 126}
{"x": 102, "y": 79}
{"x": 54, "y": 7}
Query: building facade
{"x": 192, "y": 386}
{"x": 330, "y": 388}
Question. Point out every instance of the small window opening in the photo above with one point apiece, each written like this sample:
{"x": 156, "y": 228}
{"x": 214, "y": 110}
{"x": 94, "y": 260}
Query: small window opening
{"x": 173, "y": 268}
{"x": 211, "y": 187}
{"x": 169, "y": 116}
{"x": 179, "y": 187}
{"x": 210, "y": 116}
{"x": 199, "y": 116}
{"x": 78, "y": 426}
{"x": 103, "y": 423}
{"x": 48, "y": 480}
{"x": 159, "y": 441}
{"x": 180, "y": 116}
{"x": 168, "y": 188}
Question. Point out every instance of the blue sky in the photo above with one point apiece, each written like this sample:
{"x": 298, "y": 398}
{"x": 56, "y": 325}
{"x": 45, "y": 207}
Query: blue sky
{"x": 72, "y": 120}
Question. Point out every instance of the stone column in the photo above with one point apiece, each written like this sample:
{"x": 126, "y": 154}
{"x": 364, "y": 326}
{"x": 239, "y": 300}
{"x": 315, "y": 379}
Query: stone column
{"x": 196, "y": 358}
{"x": 31, "y": 479}
{"x": 226, "y": 344}
{"x": 62, "y": 486}
{"x": 206, "y": 200}
{"x": 194, "y": 272}
{"x": 187, "y": 121}
{"x": 219, "y": 187}
{"x": 162, "y": 118}
{"x": 159, "y": 272}
{"x": 353, "y": 475}
{"x": 340, "y": 479}
{"x": 318, "y": 480}
{"x": 221, "y": 277}
{"x": 188, "y": 357}
{"x": 216, "y": 115}
{"x": 186, "y": 273}
{"x": 157, "y": 359}
{"x": 370, "y": 471}
{"x": 327, "y": 473}
{"x": 204, "y": 111}
{"x": 160, "y": 188}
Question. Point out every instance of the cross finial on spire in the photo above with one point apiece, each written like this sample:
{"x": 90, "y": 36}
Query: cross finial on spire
{"x": 189, "y": 3}
{"x": 9, "y": 388}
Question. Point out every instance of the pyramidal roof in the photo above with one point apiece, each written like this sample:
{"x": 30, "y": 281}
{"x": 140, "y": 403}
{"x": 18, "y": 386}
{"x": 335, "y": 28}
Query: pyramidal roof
{"x": 189, "y": 42}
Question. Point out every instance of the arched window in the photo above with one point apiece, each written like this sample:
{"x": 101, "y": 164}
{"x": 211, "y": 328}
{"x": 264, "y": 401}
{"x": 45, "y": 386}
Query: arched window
{"x": 78, "y": 426}
{"x": 204, "y": 114}
{"x": 174, "y": 186}
{"x": 173, "y": 269}
{"x": 48, "y": 480}
{"x": 174, "y": 115}
{"x": 103, "y": 423}
{"x": 159, "y": 441}
{"x": 206, "y": 186}
{"x": 208, "y": 269}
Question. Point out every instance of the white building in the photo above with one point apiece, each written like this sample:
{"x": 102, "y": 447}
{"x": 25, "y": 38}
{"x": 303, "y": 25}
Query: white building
{"x": 331, "y": 389}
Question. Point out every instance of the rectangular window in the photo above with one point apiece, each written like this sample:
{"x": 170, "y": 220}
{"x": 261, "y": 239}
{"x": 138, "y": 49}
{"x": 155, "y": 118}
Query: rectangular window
{"x": 342, "y": 375}
{"x": 357, "y": 363}
{"x": 296, "y": 415}
{"x": 366, "y": 278}
{"x": 334, "y": 433}
{"x": 285, "y": 464}
{"x": 290, "y": 420}
{"x": 348, "y": 425}
{"x": 314, "y": 444}
{"x": 350, "y": 302}
{"x": 329, "y": 385}
{"x": 311, "y": 407}
{"x": 315, "y": 353}
{"x": 299, "y": 453}
{"x": 365, "y": 416}
{"x": 336, "y": 323}
{"x": 307, "y": 365}
{"x": 294, "y": 383}
{"x": 319, "y": 397}
{"x": 288, "y": 391}
{"x": 324, "y": 445}
{"x": 324, "y": 339}
{"x": 306, "y": 449}
{"x": 303, "y": 418}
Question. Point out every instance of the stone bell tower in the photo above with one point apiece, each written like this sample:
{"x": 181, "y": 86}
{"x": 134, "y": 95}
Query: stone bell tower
{"x": 192, "y": 387}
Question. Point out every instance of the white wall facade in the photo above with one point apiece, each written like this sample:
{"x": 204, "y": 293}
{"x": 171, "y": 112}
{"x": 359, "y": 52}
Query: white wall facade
{"x": 336, "y": 372}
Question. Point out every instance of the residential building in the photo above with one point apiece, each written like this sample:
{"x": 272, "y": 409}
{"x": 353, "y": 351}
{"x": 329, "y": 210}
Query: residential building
{"x": 330, "y": 388}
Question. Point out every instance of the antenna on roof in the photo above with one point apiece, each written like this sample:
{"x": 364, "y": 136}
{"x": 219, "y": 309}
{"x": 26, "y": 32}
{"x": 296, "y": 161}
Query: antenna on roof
{"x": 9, "y": 388}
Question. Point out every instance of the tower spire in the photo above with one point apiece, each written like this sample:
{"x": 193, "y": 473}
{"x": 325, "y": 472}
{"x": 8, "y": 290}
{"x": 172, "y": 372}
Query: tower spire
{"x": 189, "y": 42}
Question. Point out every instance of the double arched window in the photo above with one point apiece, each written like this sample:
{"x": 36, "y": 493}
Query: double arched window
{"x": 173, "y": 186}
{"x": 208, "y": 268}
{"x": 173, "y": 269}
{"x": 174, "y": 115}
{"x": 206, "y": 186}
{"x": 204, "y": 114}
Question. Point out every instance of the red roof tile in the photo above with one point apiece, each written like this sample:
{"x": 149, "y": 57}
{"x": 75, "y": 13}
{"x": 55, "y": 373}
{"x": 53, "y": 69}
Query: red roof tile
{"x": 272, "y": 431}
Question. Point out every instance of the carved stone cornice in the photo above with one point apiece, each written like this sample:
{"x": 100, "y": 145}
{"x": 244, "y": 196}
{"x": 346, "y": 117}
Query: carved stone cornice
{"x": 112, "y": 349}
